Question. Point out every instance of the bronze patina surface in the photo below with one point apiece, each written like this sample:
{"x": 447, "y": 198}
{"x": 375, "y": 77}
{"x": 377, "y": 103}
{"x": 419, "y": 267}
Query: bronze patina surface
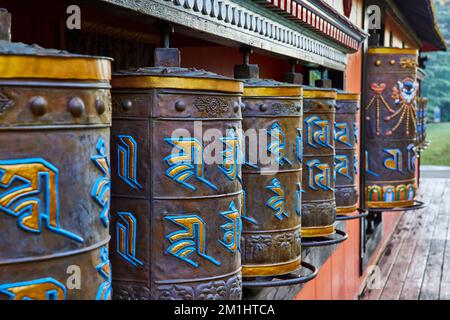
{"x": 346, "y": 135}
{"x": 391, "y": 122}
{"x": 271, "y": 240}
{"x": 54, "y": 176}
{"x": 176, "y": 214}
{"x": 318, "y": 201}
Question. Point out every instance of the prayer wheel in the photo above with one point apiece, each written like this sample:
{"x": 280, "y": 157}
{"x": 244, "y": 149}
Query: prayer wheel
{"x": 272, "y": 176}
{"x": 177, "y": 191}
{"x": 55, "y": 118}
{"x": 421, "y": 120}
{"x": 391, "y": 122}
{"x": 319, "y": 200}
{"x": 346, "y": 135}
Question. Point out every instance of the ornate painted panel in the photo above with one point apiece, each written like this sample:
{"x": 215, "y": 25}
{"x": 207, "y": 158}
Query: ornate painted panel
{"x": 272, "y": 176}
{"x": 391, "y": 124}
{"x": 54, "y": 175}
{"x": 177, "y": 191}
{"x": 319, "y": 200}
{"x": 346, "y": 133}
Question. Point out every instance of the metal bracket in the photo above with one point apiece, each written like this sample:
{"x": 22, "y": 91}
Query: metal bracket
{"x": 166, "y": 56}
{"x": 290, "y": 279}
{"x": 362, "y": 214}
{"x": 5, "y": 25}
{"x": 325, "y": 241}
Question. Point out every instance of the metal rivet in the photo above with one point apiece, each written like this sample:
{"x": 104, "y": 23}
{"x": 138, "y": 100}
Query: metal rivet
{"x": 100, "y": 106}
{"x": 180, "y": 106}
{"x": 378, "y": 63}
{"x": 263, "y": 108}
{"x": 76, "y": 107}
{"x": 38, "y": 106}
{"x": 392, "y": 62}
{"x": 127, "y": 104}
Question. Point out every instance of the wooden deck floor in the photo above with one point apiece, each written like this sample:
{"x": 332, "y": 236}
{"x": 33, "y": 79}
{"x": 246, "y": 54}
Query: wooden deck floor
{"x": 416, "y": 262}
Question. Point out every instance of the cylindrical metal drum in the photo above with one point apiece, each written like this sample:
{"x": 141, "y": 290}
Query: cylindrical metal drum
{"x": 272, "y": 176}
{"x": 319, "y": 201}
{"x": 177, "y": 192}
{"x": 55, "y": 114}
{"x": 346, "y": 135}
{"x": 391, "y": 127}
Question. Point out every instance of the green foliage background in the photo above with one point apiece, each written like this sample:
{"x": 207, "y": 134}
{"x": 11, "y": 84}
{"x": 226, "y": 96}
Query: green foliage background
{"x": 436, "y": 86}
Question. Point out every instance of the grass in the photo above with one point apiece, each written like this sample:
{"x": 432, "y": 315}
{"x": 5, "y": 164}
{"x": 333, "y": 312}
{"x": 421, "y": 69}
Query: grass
{"x": 438, "y": 153}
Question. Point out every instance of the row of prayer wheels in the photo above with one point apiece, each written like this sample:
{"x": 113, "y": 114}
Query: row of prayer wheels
{"x": 212, "y": 178}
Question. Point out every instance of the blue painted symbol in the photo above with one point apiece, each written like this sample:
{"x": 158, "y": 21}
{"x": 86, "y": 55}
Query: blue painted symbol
{"x": 192, "y": 238}
{"x": 232, "y": 229}
{"x": 232, "y": 156}
{"x": 128, "y": 160}
{"x": 104, "y": 269}
{"x": 35, "y": 199}
{"x": 187, "y": 162}
{"x": 299, "y": 145}
{"x": 318, "y": 132}
{"x": 368, "y": 170}
{"x": 277, "y": 202}
{"x": 39, "y": 289}
{"x": 126, "y": 231}
{"x": 101, "y": 191}
{"x": 244, "y": 209}
{"x": 278, "y": 145}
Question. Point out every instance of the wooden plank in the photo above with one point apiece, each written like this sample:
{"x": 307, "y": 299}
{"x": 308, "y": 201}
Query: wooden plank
{"x": 444, "y": 292}
{"x": 433, "y": 273}
{"x": 397, "y": 277}
{"x": 415, "y": 274}
{"x": 387, "y": 259}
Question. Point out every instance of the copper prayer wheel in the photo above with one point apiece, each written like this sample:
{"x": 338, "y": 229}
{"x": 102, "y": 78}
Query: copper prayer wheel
{"x": 346, "y": 134}
{"x": 391, "y": 122}
{"x": 55, "y": 117}
{"x": 318, "y": 201}
{"x": 271, "y": 240}
{"x": 176, "y": 211}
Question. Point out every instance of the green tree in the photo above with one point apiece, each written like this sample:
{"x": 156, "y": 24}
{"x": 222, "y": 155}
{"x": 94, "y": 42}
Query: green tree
{"x": 436, "y": 86}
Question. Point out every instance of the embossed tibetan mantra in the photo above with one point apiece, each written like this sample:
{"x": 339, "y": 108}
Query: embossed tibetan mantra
{"x": 272, "y": 177}
{"x": 346, "y": 161}
{"x": 176, "y": 205}
{"x": 391, "y": 127}
{"x": 55, "y": 114}
{"x": 318, "y": 201}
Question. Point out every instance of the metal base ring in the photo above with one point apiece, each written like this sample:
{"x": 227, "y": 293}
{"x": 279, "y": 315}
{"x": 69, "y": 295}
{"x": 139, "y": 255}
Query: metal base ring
{"x": 362, "y": 214}
{"x": 290, "y": 279}
{"x": 416, "y": 206}
{"x": 325, "y": 241}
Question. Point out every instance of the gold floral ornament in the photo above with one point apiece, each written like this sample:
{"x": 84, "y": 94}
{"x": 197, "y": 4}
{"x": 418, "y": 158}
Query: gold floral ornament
{"x": 408, "y": 63}
{"x": 377, "y": 100}
{"x": 404, "y": 96}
